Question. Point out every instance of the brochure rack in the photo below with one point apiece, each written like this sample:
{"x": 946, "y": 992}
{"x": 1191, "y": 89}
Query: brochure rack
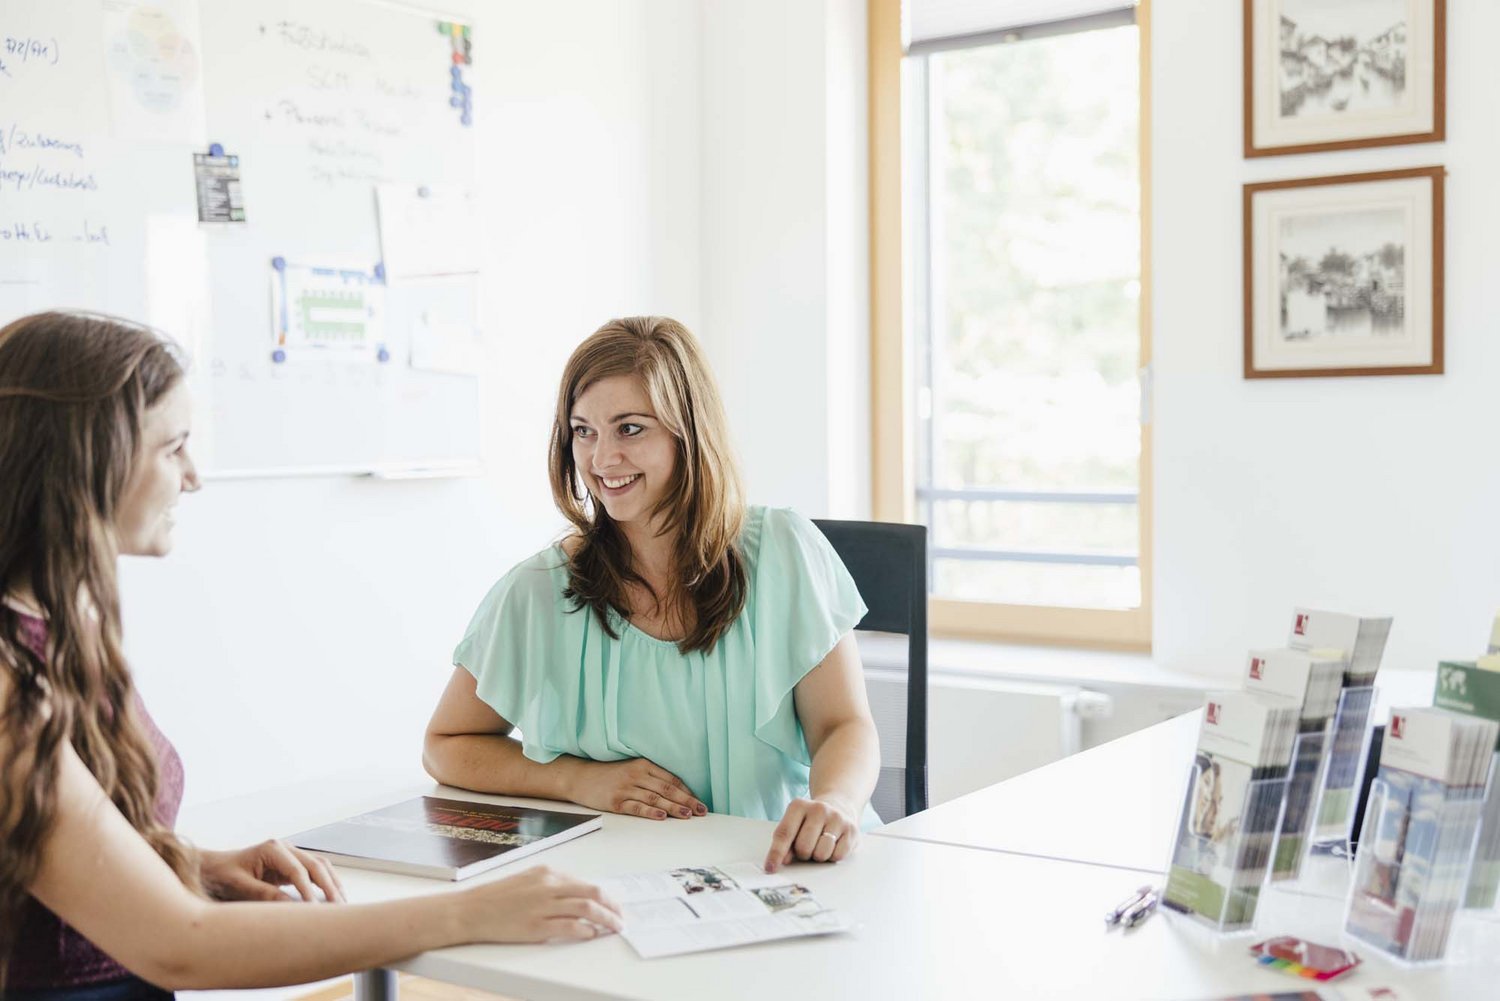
{"x": 1215, "y": 870}
{"x": 1310, "y": 756}
{"x": 1483, "y": 892}
{"x": 1411, "y": 872}
{"x": 1343, "y": 772}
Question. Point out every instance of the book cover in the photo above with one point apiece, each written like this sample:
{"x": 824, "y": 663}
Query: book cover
{"x": 443, "y": 838}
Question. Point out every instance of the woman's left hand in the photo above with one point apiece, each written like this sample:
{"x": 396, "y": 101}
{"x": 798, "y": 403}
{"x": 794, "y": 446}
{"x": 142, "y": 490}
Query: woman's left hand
{"x": 259, "y": 873}
{"x": 813, "y": 830}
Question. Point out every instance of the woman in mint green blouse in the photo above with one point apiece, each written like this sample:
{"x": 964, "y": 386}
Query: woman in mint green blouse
{"x": 677, "y": 653}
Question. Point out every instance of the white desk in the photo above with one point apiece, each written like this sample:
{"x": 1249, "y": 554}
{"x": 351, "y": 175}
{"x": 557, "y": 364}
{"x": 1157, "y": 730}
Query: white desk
{"x": 1112, "y": 805}
{"x": 932, "y": 921}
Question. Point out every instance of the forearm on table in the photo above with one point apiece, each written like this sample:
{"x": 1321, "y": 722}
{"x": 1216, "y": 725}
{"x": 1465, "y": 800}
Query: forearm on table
{"x": 495, "y": 763}
{"x": 846, "y": 765}
{"x": 240, "y": 945}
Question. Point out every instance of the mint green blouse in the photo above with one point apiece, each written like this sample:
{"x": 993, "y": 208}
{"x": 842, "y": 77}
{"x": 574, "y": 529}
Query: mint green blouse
{"x": 723, "y": 721}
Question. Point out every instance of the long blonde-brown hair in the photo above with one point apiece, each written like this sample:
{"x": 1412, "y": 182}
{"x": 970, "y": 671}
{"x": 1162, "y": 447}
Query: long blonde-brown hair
{"x": 73, "y": 392}
{"x": 703, "y": 508}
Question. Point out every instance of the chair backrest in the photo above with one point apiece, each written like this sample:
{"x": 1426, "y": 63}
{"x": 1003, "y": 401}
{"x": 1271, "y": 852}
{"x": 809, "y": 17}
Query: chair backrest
{"x": 889, "y": 565}
{"x": 1372, "y": 767}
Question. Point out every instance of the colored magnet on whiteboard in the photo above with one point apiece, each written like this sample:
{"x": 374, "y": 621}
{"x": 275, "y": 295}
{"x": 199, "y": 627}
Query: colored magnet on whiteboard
{"x": 278, "y": 356}
{"x": 279, "y": 263}
{"x": 380, "y": 271}
{"x": 215, "y": 149}
{"x": 382, "y": 355}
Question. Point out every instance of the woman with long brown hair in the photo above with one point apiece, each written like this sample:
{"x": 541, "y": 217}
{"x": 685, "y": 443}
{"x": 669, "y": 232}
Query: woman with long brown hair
{"x": 98, "y": 898}
{"x": 677, "y": 652}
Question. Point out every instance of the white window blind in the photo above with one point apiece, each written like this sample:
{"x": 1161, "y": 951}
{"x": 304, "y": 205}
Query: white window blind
{"x": 934, "y": 25}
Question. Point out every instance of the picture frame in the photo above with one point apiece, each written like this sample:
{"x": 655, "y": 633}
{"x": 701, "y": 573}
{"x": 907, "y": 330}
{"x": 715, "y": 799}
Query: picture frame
{"x": 1343, "y": 74}
{"x": 1343, "y": 275}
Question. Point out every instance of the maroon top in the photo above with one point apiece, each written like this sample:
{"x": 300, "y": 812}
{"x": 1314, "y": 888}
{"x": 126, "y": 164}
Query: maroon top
{"x": 48, "y": 952}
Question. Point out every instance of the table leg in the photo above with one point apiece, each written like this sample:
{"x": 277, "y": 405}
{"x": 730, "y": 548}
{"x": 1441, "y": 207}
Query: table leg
{"x": 375, "y": 985}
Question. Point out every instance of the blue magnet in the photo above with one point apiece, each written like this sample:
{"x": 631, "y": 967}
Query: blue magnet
{"x": 278, "y": 356}
{"x": 464, "y": 119}
{"x": 215, "y": 150}
{"x": 279, "y": 263}
{"x": 455, "y": 101}
{"x": 455, "y": 72}
{"x": 380, "y": 271}
{"x": 382, "y": 355}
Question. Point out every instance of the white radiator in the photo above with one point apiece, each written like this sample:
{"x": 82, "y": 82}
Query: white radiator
{"x": 982, "y": 730}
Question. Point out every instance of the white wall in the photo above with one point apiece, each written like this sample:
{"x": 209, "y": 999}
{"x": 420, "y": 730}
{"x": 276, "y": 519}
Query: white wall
{"x": 1373, "y": 494}
{"x": 304, "y": 626}
{"x": 1359, "y": 493}
{"x": 785, "y": 245}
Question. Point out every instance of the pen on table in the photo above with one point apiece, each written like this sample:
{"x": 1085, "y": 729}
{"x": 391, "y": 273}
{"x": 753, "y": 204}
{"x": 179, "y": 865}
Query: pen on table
{"x": 1113, "y": 917}
{"x": 1141, "y": 911}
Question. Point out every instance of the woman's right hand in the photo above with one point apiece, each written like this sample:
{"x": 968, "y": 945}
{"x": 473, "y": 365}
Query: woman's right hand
{"x": 540, "y": 905}
{"x": 636, "y": 786}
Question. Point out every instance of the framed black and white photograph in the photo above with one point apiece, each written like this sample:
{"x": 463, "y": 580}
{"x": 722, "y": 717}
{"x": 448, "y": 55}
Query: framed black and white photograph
{"x": 1342, "y": 74}
{"x": 1344, "y": 275}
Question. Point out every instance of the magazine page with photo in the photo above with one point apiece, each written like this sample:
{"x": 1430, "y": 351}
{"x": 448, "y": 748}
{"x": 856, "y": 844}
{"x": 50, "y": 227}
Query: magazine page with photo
{"x": 698, "y": 908}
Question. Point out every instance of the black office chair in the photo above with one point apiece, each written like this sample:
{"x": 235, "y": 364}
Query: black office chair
{"x": 889, "y": 565}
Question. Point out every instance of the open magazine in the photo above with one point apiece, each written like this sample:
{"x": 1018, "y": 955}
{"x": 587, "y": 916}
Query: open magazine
{"x": 697, "y": 908}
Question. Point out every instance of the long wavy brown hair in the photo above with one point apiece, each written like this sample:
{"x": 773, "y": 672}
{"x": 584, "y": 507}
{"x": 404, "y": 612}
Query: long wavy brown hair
{"x": 703, "y": 508}
{"x": 73, "y": 392}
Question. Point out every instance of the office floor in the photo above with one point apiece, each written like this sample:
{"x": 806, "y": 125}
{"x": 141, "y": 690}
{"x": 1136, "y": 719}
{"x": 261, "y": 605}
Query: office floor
{"x": 411, "y": 989}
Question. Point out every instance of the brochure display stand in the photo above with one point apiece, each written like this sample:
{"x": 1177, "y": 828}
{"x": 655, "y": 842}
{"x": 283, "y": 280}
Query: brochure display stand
{"x": 1484, "y": 876}
{"x": 1223, "y": 850}
{"x": 1343, "y": 772}
{"x": 1309, "y": 766}
{"x": 1412, "y": 870}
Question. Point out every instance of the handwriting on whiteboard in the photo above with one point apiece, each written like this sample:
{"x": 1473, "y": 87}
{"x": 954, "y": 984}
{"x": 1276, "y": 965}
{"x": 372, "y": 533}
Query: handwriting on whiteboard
{"x": 38, "y": 232}
{"x": 15, "y": 137}
{"x": 27, "y": 50}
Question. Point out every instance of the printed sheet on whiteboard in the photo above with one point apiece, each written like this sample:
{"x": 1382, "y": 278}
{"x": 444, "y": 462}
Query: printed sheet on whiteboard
{"x": 427, "y": 231}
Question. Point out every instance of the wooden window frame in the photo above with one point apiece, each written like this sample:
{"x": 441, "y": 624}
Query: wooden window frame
{"x": 891, "y": 461}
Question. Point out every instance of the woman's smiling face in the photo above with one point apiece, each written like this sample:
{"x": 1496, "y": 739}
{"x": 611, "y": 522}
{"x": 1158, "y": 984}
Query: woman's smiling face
{"x": 163, "y": 471}
{"x": 624, "y": 453}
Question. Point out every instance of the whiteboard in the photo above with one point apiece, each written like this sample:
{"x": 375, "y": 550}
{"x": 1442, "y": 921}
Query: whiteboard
{"x": 103, "y": 104}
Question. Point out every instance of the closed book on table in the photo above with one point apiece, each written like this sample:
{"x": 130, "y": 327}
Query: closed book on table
{"x": 443, "y": 838}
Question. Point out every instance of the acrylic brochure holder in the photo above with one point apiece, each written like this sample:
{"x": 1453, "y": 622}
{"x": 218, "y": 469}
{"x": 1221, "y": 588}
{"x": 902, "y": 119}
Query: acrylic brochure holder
{"x": 1332, "y": 825}
{"x": 1219, "y": 857}
{"x": 1411, "y": 871}
{"x": 1483, "y": 894}
{"x": 1309, "y": 766}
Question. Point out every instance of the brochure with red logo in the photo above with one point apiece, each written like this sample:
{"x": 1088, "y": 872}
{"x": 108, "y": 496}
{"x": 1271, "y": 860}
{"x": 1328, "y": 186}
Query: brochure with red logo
{"x": 1228, "y": 822}
{"x": 1411, "y": 872}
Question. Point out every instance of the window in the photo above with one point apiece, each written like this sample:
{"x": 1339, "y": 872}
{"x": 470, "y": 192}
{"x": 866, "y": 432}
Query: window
{"x": 1016, "y": 356}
